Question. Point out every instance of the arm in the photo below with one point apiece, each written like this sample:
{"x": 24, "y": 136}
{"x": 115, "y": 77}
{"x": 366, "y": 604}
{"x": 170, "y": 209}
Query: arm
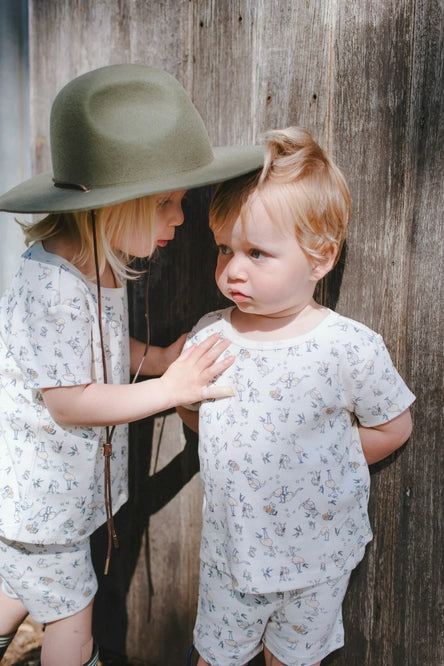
{"x": 189, "y": 417}
{"x": 380, "y": 441}
{"x": 185, "y": 381}
{"x": 157, "y": 360}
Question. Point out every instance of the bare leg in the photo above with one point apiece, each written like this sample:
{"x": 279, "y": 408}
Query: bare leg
{"x": 12, "y": 614}
{"x": 68, "y": 641}
{"x": 271, "y": 660}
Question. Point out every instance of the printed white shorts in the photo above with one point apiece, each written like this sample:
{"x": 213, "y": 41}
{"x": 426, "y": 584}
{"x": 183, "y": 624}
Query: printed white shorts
{"x": 300, "y": 627}
{"x": 52, "y": 581}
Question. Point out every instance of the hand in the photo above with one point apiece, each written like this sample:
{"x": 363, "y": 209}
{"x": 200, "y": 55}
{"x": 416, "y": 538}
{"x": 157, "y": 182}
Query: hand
{"x": 189, "y": 378}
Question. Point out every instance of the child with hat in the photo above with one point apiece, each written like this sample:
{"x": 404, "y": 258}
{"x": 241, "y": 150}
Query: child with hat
{"x": 126, "y": 143}
{"x": 284, "y": 461}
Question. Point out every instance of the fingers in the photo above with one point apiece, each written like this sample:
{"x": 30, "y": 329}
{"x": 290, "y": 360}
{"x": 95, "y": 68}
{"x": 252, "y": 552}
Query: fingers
{"x": 201, "y": 365}
{"x": 213, "y": 371}
{"x": 207, "y": 351}
{"x": 216, "y": 392}
{"x": 211, "y": 368}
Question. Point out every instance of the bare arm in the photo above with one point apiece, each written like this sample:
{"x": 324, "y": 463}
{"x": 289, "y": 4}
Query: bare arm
{"x": 380, "y": 441}
{"x": 157, "y": 360}
{"x": 185, "y": 381}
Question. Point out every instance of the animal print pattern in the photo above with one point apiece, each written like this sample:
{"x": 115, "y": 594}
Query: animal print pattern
{"x": 299, "y": 627}
{"x": 51, "y": 477}
{"x": 286, "y": 484}
{"x": 51, "y": 581}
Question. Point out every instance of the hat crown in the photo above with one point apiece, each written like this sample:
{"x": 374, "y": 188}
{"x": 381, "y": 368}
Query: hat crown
{"x": 122, "y": 132}
{"x": 125, "y": 124}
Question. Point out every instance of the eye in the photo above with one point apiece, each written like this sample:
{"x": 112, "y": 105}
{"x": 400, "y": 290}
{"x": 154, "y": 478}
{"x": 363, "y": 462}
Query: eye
{"x": 161, "y": 203}
{"x": 224, "y": 249}
{"x": 256, "y": 254}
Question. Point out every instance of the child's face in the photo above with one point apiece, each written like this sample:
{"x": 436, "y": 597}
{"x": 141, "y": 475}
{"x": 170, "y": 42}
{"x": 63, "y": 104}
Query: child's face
{"x": 169, "y": 215}
{"x": 261, "y": 266}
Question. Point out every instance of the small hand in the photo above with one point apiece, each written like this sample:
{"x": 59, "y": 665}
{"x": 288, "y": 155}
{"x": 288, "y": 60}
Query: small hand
{"x": 189, "y": 378}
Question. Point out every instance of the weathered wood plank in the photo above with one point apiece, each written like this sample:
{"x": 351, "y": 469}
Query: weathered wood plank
{"x": 260, "y": 65}
{"x": 419, "y": 551}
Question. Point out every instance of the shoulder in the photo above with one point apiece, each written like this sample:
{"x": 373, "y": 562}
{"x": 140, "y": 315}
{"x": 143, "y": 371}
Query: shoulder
{"x": 347, "y": 329}
{"x": 213, "y": 321}
{"x": 46, "y": 282}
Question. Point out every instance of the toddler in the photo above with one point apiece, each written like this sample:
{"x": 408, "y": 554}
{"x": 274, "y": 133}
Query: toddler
{"x": 284, "y": 461}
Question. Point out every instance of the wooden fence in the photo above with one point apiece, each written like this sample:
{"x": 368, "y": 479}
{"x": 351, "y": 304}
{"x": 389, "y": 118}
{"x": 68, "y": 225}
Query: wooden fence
{"x": 366, "y": 79}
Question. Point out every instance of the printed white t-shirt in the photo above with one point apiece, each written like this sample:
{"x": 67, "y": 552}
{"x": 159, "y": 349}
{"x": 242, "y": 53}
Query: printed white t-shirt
{"x": 286, "y": 484}
{"x": 51, "y": 477}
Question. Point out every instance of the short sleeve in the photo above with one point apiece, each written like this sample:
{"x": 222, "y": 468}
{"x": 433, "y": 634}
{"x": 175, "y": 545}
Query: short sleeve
{"x": 377, "y": 392}
{"x": 55, "y": 348}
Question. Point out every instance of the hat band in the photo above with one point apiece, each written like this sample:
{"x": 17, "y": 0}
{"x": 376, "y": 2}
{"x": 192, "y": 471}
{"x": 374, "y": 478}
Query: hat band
{"x": 70, "y": 186}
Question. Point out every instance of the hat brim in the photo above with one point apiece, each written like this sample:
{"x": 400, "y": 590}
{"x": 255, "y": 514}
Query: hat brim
{"x": 40, "y": 195}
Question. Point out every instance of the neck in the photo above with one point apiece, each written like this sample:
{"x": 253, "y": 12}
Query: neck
{"x": 279, "y": 326}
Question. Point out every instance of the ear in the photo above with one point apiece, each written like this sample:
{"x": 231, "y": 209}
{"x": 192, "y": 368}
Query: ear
{"x": 324, "y": 266}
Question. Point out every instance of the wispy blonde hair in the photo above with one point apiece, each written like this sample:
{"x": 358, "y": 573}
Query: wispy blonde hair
{"x": 299, "y": 185}
{"x": 112, "y": 222}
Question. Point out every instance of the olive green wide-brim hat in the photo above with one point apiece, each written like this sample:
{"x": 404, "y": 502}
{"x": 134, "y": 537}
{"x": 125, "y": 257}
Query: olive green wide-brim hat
{"x": 122, "y": 132}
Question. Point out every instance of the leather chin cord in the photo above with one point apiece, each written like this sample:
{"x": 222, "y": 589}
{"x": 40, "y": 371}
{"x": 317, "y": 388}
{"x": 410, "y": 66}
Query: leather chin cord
{"x": 107, "y": 448}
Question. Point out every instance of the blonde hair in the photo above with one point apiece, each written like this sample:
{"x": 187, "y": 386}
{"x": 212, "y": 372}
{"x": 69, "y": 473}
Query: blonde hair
{"x": 113, "y": 223}
{"x": 299, "y": 185}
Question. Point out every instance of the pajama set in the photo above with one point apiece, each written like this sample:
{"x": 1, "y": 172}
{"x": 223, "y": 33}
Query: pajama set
{"x": 286, "y": 486}
{"x": 51, "y": 477}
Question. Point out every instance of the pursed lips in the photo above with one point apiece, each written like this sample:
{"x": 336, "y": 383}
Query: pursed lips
{"x": 164, "y": 241}
{"x": 237, "y": 295}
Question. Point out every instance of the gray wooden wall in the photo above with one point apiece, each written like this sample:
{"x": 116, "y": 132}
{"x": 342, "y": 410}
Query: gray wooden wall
{"x": 366, "y": 79}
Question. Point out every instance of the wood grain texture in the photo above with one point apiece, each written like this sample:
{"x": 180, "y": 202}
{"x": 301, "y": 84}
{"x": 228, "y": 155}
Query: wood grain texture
{"x": 367, "y": 80}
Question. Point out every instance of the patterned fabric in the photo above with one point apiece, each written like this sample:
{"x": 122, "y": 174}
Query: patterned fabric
{"x": 51, "y": 477}
{"x": 299, "y": 627}
{"x": 52, "y": 582}
{"x": 285, "y": 479}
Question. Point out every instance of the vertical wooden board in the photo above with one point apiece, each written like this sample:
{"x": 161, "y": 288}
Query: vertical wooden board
{"x": 420, "y": 555}
{"x": 291, "y": 60}
{"x": 160, "y": 36}
{"x": 221, "y": 61}
{"x": 260, "y": 65}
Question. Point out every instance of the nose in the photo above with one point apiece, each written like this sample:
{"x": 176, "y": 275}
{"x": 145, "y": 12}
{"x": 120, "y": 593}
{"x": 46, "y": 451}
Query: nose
{"x": 235, "y": 269}
{"x": 178, "y": 217}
